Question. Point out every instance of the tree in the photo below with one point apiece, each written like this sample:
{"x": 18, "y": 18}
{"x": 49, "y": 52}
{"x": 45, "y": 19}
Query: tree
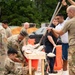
{"x": 20, "y": 11}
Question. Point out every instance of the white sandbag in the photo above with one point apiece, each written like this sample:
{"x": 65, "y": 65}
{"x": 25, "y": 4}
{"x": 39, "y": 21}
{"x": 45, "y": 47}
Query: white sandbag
{"x": 40, "y": 48}
{"x": 27, "y": 49}
{"x": 36, "y": 45}
{"x": 51, "y": 54}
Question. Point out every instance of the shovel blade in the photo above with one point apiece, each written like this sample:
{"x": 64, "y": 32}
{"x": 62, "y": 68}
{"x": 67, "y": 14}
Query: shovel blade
{"x": 51, "y": 55}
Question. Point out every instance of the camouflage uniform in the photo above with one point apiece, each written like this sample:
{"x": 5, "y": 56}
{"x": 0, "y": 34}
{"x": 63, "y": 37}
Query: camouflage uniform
{"x": 12, "y": 68}
{"x": 8, "y": 32}
{"x": 9, "y": 67}
{"x": 14, "y": 43}
{"x": 71, "y": 58}
{"x": 3, "y": 48}
{"x": 70, "y": 27}
{"x": 26, "y": 38}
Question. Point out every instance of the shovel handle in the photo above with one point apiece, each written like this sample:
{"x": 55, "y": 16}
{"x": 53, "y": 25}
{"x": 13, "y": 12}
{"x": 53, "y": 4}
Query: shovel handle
{"x": 60, "y": 0}
{"x": 53, "y": 49}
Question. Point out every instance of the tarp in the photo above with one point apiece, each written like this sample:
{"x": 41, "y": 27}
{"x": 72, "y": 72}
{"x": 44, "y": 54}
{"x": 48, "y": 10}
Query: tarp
{"x": 18, "y": 29}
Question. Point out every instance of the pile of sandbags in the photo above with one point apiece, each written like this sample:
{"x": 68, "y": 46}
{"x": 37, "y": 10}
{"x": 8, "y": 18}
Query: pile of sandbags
{"x": 32, "y": 48}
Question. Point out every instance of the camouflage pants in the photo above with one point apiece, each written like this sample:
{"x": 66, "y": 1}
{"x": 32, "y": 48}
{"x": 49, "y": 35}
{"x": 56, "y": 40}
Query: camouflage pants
{"x": 25, "y": 71}
{"x": 2, "y": 59}
{"x": 20, "y": 70}
{"x": 71, "y": 61}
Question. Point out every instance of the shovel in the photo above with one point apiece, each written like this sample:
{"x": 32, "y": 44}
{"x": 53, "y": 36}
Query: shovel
{"x": 57, "y": 9}
{"x": 51, "y": 54}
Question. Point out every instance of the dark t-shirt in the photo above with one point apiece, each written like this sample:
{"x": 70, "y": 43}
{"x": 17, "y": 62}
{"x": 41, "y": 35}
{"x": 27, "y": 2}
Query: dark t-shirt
{"x": 48, "y": 44}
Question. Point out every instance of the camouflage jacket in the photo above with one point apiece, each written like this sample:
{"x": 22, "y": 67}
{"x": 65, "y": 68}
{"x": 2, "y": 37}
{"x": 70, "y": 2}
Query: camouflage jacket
{"x": 26, "y": 38}
{"x": 13, "y": 68}
{"x": 10, "y": 68}
{"x": 8, "y": 32}
{"x": 3, "y": 41}
{"x": 13, "y": 43}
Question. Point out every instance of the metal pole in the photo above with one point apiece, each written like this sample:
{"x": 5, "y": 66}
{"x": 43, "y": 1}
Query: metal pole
{"x": 59, "y": 9}
{"x": 54, "y": 14}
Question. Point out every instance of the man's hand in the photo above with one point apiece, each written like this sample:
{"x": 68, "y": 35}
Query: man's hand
{"x": 17, "y": 60}
{"x": 55, "y": 45}
{"x": 49, "y": 29}
{"x": 64, "y": 3}
{"x": 70, "y": 0}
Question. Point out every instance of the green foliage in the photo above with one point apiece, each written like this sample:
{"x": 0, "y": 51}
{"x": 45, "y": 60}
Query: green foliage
{"x": 20, "y": 11}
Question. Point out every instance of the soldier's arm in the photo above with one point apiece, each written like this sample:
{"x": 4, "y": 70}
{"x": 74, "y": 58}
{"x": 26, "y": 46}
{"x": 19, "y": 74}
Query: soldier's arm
{"x": 4, "y": 39}
{"x": 9, "y": 67}
{"x": 25, "y": 41}
{"x": 51, "y": 40}
{"x": 71, "y": 2}
{"x": 60, "y": 32}
{"x": 9, "y": 34}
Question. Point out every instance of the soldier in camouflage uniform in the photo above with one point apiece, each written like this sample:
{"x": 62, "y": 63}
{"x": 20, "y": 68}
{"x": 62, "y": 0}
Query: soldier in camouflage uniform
{"x": 16, "y": 42}
{"x": 71, "y": 58}
{"x": 7, "y": 29}
{"x": 10, "y": 67}
{"x": 3, "y": 48}
{"x": 70, "y": 27}
{"x": 25, "y": 27}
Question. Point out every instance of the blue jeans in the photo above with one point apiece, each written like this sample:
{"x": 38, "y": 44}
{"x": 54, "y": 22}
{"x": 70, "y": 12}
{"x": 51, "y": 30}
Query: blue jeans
{"x": 65, "y": 47}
